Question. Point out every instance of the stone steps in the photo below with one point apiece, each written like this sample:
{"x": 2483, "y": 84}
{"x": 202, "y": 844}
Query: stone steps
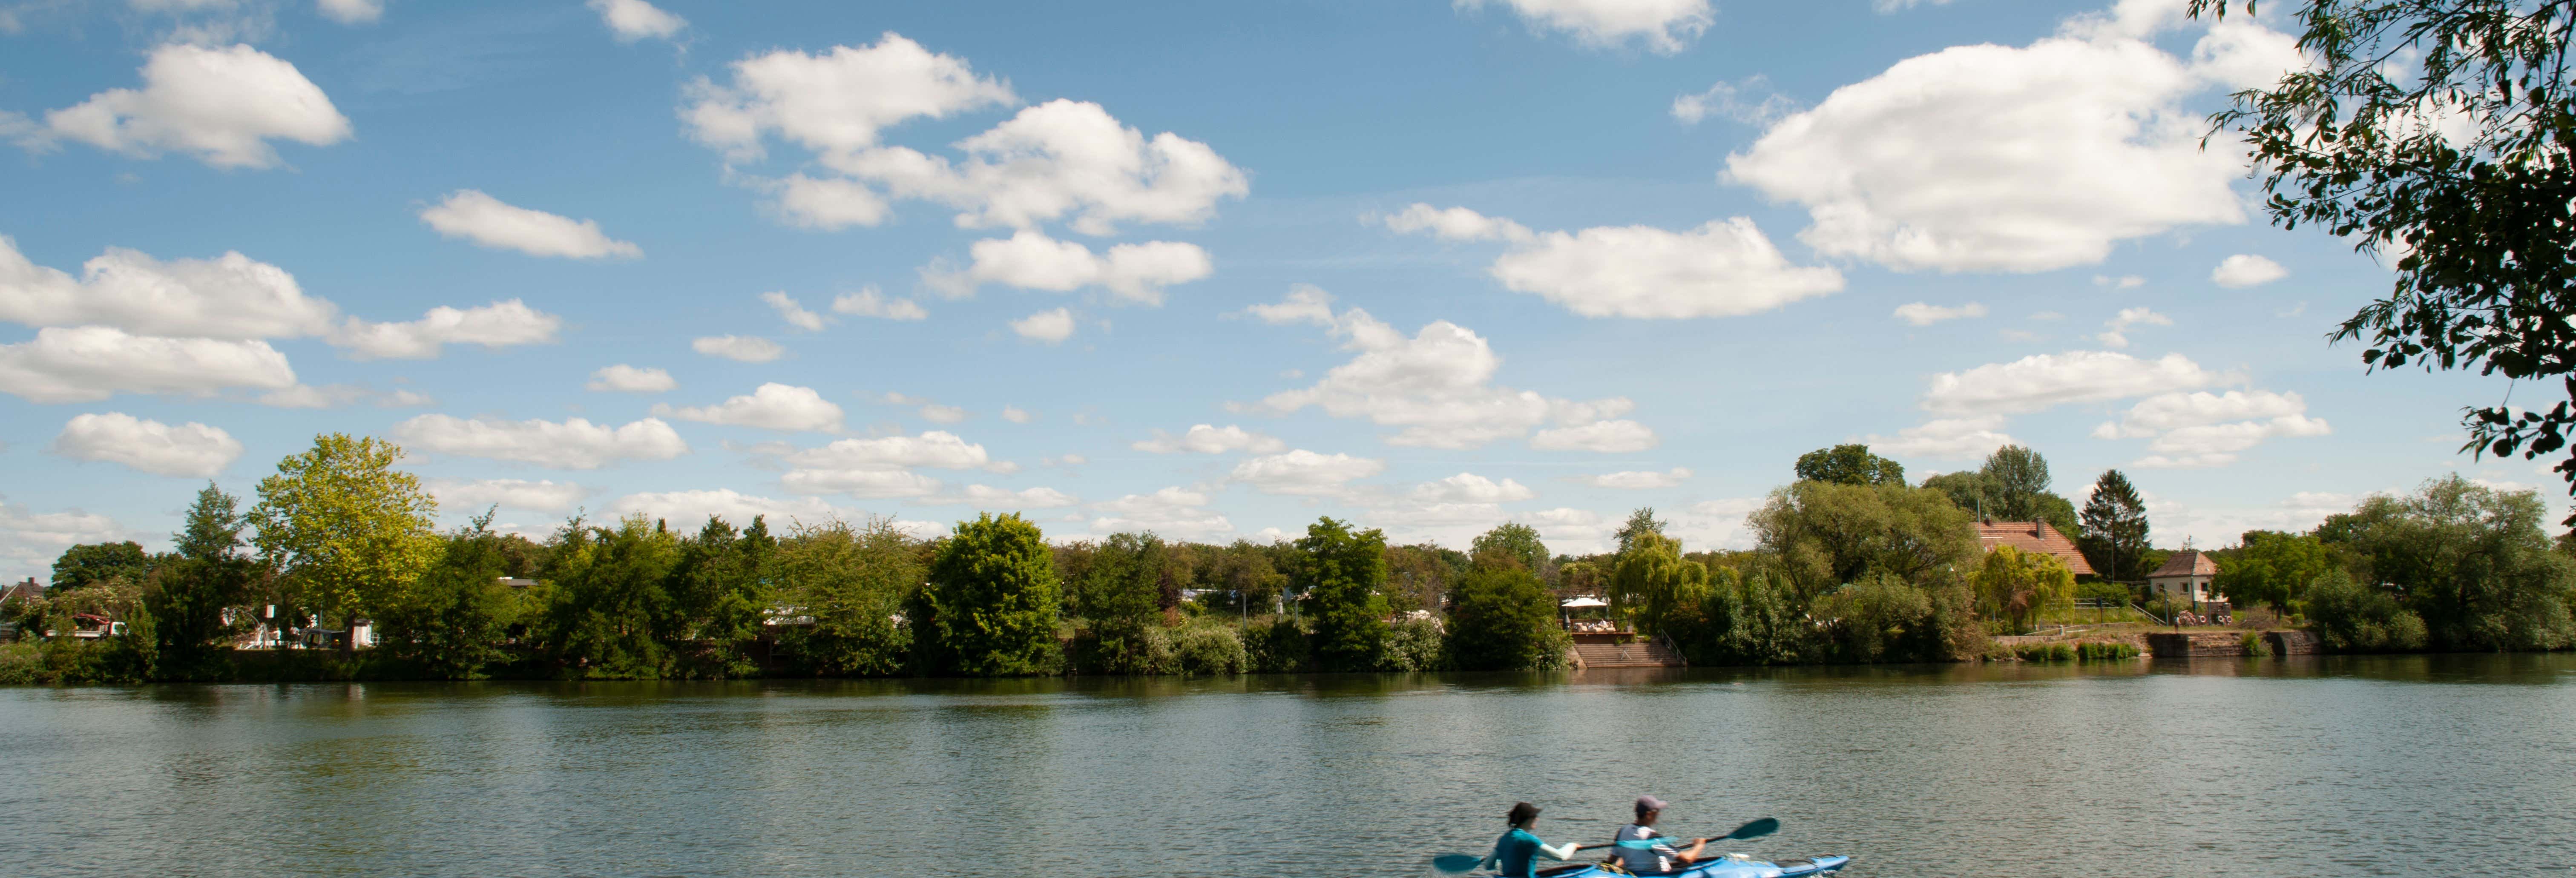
{"x": 1625, "y": 655}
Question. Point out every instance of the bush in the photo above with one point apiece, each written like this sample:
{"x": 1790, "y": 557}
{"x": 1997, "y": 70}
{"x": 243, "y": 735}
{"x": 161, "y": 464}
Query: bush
{"x": 2351, "y": 617}
{"x": 2253, "y": 643}
{"x": 69, "y": 661}
{"x": 1208, "y": 650}
{"x": 1504, "y": 620}
{"x": 2046, "y": 652}
{"x": 2105, "y": 651}
{"x": 1280, "y": 647}
{"x": 1412, "y": 645}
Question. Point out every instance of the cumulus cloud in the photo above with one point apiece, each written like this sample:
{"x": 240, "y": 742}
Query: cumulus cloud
{"x": 1436, "y": 386}
{"x": 328, "y": 396}
{"x": 497, "y": 325}
{"x": 2219, "y": 444}
{"x": 1050, "y": 326}
{"x": 739, "y": 348}
{"x": 1968, "y": 438}
{"x": 622, "y": 378}
{"x": 571, "y": 444}
{"x": 1570, "y": 530}
{"x": 2205, "y": 429}
{"x": 834, "y": 103}
{"x": 2041, "y": 381}
{"x": 1664, "y": 26}
{"x": 1722, "y": 269}
{"x": 882, "y": 467}
{"x": 1030, "y": 260}
{"x": 1470, "y": 488}
{"x": 1635, "y": 480}
{"x": 772, "y": 406}
{"x": 686, "y": 508}
{"x": 351, "y": 12}
{"x": 32, "y": 540}
{"x": 1926, "y": 314}
{"x": 485, "y": 220}
{"x": 191, "y": 449}
{"x": 2022, "y": 159}
{"x": 868, "y": 302}
{"x": 930, "y": 410}
{"x": 794, "y": 313}
{"x": 989, "y": 498}
{"x": 1750, "y": 101}
{"x": 631, "y": 20}
{"x": 1607, "y": 437}
{"x": 1305, "y": 472}
{"x": 221, "y": 105}
{"x": 229, "y": 297}
{"x": 1209, "y": 439}
{"x": 1171, "y": 512}
{"x": 1017, "y": 415}
{"x": 90, "y": 363}
{"x": 2116, "y": 333}
{"x": 543, "y": 495}
{"x": 2246, "y": 270}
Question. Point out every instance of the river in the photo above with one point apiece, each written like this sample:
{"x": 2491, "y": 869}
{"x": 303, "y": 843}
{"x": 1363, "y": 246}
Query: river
{"x": 2418, "y": 765}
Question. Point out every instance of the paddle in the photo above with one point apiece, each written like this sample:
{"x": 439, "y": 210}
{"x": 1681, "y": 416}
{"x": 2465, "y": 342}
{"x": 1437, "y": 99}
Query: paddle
{"x": 1459, "y": 863}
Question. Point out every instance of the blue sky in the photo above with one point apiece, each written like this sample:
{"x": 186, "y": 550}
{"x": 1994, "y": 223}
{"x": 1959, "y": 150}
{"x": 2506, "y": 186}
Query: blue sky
{"x": 1427, "y": 266}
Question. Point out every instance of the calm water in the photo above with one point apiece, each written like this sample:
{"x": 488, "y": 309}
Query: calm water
{"x": 2415, "y": 766}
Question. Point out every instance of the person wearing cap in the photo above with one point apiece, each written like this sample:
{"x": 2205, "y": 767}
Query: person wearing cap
{"x": 1645, "y": 851}
{"x": 1516, "y": 853}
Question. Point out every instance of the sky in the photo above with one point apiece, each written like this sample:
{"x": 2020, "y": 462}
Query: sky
{"x": 1210, "y": 270}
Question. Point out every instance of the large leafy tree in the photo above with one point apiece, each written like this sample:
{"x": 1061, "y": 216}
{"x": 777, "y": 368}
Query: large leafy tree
{"x": 1502, "y": 619}
{"x": 1120, "y": 596}
{"x": 2015, "y": 587}
{"x": 854, "y": 581}
{"x": 1826, "y": 535}
{"x": 450, "y": 622}
{"x": 2441, "y": 133}
{"x": 610, "y": 598}
{"x": 187, "y": 596}
{"x": 1513, "y": 538}
{"x": 2115, "y": 529}
{"x": 1655, "y": 586}
{"x": 1641, "y": 522}
{"x": 1850, "y": 464}
{"x": 993, "y": 600}
{"x": 92, "y": 563}
{"x": 2473, "y": 563}
{"x": 721, "y": 593}
{"x": 1341, "y": 572}
{"x": 2274, "y": 568}
{"x": 342, "y": 527}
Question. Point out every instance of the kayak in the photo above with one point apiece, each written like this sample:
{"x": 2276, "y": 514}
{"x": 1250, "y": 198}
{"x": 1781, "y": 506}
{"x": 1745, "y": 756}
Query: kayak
{"x": 1728, "y": 866}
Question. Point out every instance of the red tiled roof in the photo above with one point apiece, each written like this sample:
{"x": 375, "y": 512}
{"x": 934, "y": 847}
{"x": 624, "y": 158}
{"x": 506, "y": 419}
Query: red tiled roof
{"x": 2189, "y": 562}
{"x": 2033, "y": 536}
{"x": 27, "y": 589}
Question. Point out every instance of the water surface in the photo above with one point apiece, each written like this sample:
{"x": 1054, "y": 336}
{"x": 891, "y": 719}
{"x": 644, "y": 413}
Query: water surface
{"x": 2446, "y": 765}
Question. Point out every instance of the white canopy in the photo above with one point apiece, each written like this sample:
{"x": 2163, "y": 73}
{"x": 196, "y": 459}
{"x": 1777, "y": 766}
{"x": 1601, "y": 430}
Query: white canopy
{"x": 1584, "y": 603}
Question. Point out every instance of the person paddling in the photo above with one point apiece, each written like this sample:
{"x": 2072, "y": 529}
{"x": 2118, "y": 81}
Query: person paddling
{"x": 1516, "y": 853}
{"x": 1645, "y": 851}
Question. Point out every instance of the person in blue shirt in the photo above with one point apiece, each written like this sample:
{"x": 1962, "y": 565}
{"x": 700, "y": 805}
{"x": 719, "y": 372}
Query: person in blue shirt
{"x": 1516, "y": 853}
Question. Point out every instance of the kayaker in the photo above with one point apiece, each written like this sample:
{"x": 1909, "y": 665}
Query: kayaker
{"x": 1646, "y": 851}
{"x": 1516, "y": 853}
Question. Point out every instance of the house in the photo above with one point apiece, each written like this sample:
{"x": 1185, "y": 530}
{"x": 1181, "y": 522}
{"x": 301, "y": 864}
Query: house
{"x": 2186, "y": 577}
{"x": 28, "y": 590}
{"x": 2033, "y": 536}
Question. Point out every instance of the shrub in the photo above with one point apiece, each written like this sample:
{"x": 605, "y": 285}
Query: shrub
{"x": 1280, "y": 647}
{"x": 2105, "y": 651}
{"x": 2046, "y": 652}
{"x": 2351, "y": 617}
{"x": 1412, "y": 645}
{"x": 2253, "y": 643}
{"x": 1209, "y": 650}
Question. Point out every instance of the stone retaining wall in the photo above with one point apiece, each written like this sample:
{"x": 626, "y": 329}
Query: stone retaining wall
{"x": 2294, "y": 642}
{"x": 2195, "y": 644}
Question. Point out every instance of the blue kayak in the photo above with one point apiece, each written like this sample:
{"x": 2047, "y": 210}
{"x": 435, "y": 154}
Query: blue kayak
{"x": 1719, "y": 867}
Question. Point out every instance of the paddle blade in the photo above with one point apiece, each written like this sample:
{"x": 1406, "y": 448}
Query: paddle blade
{"x": 1456, "y": 864}
{"x": 1756, "y": 829}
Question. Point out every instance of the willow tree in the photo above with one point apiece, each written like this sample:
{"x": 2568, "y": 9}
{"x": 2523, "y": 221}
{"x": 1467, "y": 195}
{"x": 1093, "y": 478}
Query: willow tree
{"x": 2015, "y": 587}
{"x": 1656, "y": 586}
{"x": 344, "y": 529}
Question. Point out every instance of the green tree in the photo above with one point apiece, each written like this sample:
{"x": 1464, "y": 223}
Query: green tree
{"x": 2443, "y": 132}
{"x": 610, "y": 588}
{"x": 342, "y": 527}
{"x": 186, "y": 597}
{"x": 449, "y": 623}
{"x": 1341, "y": 574}
{"x": 722, "y": 589}
{"x": 854, "y": 581}
{"x": 1502, "y": 619}
{"x": 1850, "y": 465}
{"x": 1641, "y": 521}
{"x": 2019, "y": 480}
{"x": 1513, "y": 538}
{"x": 1120, "y": 596}
{"x": 1656, "y": 587}
{"x": 2114, "y": 536}
{"x": 2273, "y": 568}
{"x": 1826, "y": 534}
{"x": 2351, "y": 617}
{"x": 2015, "y": 587}
{"x": 991, "y": 607}
{"x": 1418, "y": 575}
{"x": 92, "y": 563}
{"x": 1750, "y": 622}
{"x": 2472, "y": 562}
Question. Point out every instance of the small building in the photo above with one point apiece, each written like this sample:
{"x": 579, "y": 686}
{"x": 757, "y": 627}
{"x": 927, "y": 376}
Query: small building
{"x": 2033, "y": 536}
{"x": 28, "y": 590}
{"x": 2186, "y": 577}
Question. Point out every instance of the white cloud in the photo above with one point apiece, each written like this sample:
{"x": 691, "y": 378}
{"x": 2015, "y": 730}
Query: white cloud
{"x": 572, "y": 444}
{"x": 1946, "y": 439}
{"x": 2173, "y": 411}
{"x": 1606, "y": 437}
{"x": 485, "y": 220}
{"x": 1470, "y": 488}
{"x": 686, "y": 510}
{"x": 90, "y": 363}
{"x": 351, "y": 12}
{"x": 222, "y": 105}
{"x": 474, "y": 496}
{"x": 1997, "y": 158}
{"x": 1635, "y": 480}
{"x": 881, "y": 467}
{"x": 632, "y": 20}
{"x": 834, "y": 103}
{"x": 31, "y": 541}
{"x": 1170, "y": 512}
{"x": 306, "y": 396}
{"x": 792, "y": 312}
{"x": 1017, "y": 415}
{"x": 2123, "y": 282}
{"x": 1032, "y": 261}
{"x": 987, "y": 497}
{"x": 1725, "y": 268}
{"x": 191, "y": 449}
{"x": 1062, "y": 160}
{"x": 1926, "y": 314}
{"x": 230, "y": 296}
{"x": 772, "y": 406}
{"x": 1210, "y": 439}
{"x": 2040, "y": 381}
{"x": 497, "y": 325}
{"x": 868, "y": 302}
{"x": 622, "y": 378}
{"x": 741, "y": 348}
{"x": 1664, "y": 26}
{"x": 2116, "y": 335}
{"x": 1305, "y": 472}
{"x": 1436, "y": 385}
{"x": 1050, "y": 326}
{"x": 1716, "y": 524}
{"x": 930, "y": 411}
{"x": 1568, "y": 530}
{"x": 1750, "y": 101}
{"x": 2218, "y": 444}
{"x": 2246, "y": 270}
